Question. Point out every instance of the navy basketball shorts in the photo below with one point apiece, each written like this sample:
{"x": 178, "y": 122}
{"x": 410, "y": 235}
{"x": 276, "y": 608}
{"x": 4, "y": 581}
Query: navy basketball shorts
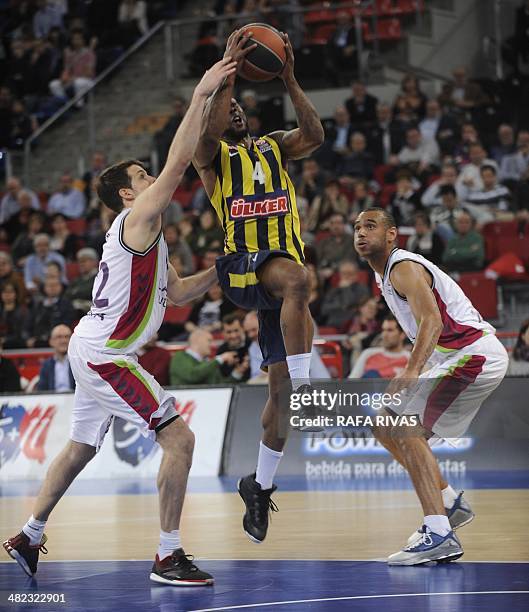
{"x": 238, "y": 279}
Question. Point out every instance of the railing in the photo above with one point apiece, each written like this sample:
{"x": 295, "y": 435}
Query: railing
{"x": 87, "y": 94}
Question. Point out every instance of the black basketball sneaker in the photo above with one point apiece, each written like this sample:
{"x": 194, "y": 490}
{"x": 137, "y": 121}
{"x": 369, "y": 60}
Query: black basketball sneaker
{"x": 178, "y": 569}
{"x": 258, "y": 505}
{"x": 25, "y": 554}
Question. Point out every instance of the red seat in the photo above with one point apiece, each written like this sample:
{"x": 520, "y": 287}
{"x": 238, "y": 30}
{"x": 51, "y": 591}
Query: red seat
{"x": 322, "y": 34}
{"x": 493, "y": 231}
{"x": 76, "y": 226}
{"x": 72, "y": 270}
{"x": 514, "y": 244}
{"x": 482, "y": 292}
{"x": 387, "y": 29}
{"x": 327, "y": 330}
{"x": 331, "y": 355}
{"x": 28, "y": 363}
{"x": 177, "y": 314}
{"x": 320, "y": 16}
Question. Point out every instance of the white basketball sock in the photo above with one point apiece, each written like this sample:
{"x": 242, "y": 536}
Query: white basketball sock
{"x": 449, "y": 496}
{"x": 169, "y": 542}
{"x": 267, "y": 464}
{"x": 438, "y": 523}
{"x": 34, "y": 530}
{"x": 299, "y": 368}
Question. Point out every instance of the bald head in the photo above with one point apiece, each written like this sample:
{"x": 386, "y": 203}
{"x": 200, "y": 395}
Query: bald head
{"x": 200, "y": 342}
{"x": 251, "y": 325}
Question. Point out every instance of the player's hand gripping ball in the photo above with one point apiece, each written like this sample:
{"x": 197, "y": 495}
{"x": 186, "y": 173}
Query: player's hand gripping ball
{"x": 267, "y": 60}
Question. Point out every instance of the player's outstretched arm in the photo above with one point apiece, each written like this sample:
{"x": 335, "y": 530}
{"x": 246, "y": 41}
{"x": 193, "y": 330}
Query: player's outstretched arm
{"x": 184, "y": 290}
{"x": 217, "y": 111}
{"x": 412, "y": 281}
{"x": 309, "y": 135}
{"x": 155, "y": 199}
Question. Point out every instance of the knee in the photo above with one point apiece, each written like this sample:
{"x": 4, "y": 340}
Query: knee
{"x": 297, "y": 283}
{"x": 177, "y": 438}
{"x": 79, "y": 454}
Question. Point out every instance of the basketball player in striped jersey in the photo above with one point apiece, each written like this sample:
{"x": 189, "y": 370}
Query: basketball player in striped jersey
{"x": 463, "y": 363}
{"x": 247, "y": 182}
{"x": 130, "y": 294}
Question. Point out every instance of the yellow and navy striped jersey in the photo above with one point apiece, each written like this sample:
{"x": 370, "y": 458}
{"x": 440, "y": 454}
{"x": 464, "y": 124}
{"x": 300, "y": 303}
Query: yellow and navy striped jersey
{"x": 255, "y": 200}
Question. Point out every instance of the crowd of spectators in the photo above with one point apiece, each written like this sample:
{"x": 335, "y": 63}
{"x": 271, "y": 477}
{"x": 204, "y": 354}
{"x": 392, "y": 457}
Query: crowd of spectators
{"x": 51, "y": 50}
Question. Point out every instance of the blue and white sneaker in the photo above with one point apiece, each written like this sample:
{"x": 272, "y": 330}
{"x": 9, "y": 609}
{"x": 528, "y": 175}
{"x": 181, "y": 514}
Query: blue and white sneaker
{"x": 459, "y": 515}
{"x": 430, "y": 547}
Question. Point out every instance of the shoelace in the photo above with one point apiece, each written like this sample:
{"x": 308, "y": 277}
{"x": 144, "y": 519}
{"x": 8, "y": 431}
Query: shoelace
{"x": 263, "y": 505}
{"x": 185, "y": 562}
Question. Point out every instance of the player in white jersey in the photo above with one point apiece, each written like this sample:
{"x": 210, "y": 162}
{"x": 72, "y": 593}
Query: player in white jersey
{"x": 130, "y": 294}
{"x": 455, "y": 364}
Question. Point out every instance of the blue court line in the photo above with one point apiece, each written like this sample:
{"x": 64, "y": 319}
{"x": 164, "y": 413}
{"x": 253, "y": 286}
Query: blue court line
{"x": 478, "y": 479}
{"x": 292, "y": 586}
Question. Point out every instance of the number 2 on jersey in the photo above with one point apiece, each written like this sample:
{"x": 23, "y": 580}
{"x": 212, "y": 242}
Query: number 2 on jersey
{"x": 258, "y": 174}
{"x": 102, "y": 302}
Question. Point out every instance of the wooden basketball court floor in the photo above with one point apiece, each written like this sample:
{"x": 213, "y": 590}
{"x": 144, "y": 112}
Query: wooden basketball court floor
{"x": 325, "y": 550}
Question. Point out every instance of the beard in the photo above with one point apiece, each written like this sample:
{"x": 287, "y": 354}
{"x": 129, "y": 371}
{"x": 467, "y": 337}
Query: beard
{"x": 236, "y": 134}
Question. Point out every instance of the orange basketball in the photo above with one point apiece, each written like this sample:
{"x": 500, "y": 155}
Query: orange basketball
{"x": 266, "y": 61}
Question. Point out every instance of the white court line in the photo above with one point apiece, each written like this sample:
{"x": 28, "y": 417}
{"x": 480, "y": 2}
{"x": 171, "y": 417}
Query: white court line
{"x": 377, "y": 560}
{"x": 355, "y": 597}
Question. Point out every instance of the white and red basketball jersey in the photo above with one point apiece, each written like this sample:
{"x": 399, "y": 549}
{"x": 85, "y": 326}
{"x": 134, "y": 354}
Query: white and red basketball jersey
{"x": 462, "y": 323}
{"x": 129, "y": 297}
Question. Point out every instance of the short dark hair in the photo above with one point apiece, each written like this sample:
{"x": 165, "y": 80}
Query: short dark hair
{"x": 231, "y": 318}
{"x": 423, "y": 217}
{"x": 447, "y": 190}
{"x": 391, "y": 317}
{"x": 489, "y": 167}
{"x": 111, "y": 180}
{"x": 389, "y": 219}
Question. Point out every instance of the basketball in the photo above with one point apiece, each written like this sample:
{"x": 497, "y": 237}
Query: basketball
{"x": 266, "y": 61}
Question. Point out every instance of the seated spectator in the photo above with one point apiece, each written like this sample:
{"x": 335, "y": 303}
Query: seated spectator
{"x": 209, "y": 259}
{"x": 68, "y": 200}
{"x": 386, "y": 137}
{"x": 461, "y": 94}
{"x": 364, "y": 326}
{"x": 164, "y": 137}
{"x": 410, "y": 103}
{"x": 19, "y": 222}
{"x": 521, "y": 348}
{"x": 80, "y": 289}
{"x": 387, "y": 361}
{"x": 155, "y": 360}
{"x": 465, "y": 251}
{"x": 312, "y": 180}
{"x": 9, "y": 275}
{"x": 47, "y": 312}
{"x": 315, "y": 297}
{"x": 177, "y": 246}
{"x": 209, "y": 311}
{"x": 9, "y": 376}
{"x": 432, "y": 196}
{"x": 470, "y": 176}
{"x": 444, "y": 217}
{"x": 79, "y": 68}
{"x": 194, "y": 366}
{"x": 208, "y": 235}
{"x": 341, "y": 49}
{"x": 425, "y": 241}
{"x": 35, "y": 266}
{"x": 22, "y": 125}
{"x": 324, "y": 206}
{"x": 515, "y": 165}
{"x": 341, "y": 301}
{"x": 505, "y": 144}
{"x": 406, "y": 201}
{"x": 235, "y": 340}
{"x": 56, "y": 373}
{"x": 9, "y": 205}
{"x": 493, "y": 198}
{"x": 469, "y": 136}
{"x": 334, "y": 248}
{"x": 358, "y": 162}
{"x": 255, "y": 356}
{"x": 132, "y": 21}
{"x": 439, "y": 126}
{"x": 98, "y": 164}
{"x": 361, "y": 106}
{"x": 420, "y": 155}
{"x": 336, "y": 142}
{"x": 23, "y": 245}
{"x": 48, "y": 15}
{"x": 14, "y": 317}
{"x": 362, "y": 199}
{"x": 62, "y": 240}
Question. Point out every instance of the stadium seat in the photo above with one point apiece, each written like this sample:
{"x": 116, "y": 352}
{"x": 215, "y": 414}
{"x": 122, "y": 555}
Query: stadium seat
{"x": 77, "y": 226}
{"x": 387, "y": 29}
{"x": 331, "y": 355}
{"x": 72, "y": 270}
{"x": 177, "y": 314}
{"x": 28, "y": 363}
{"x": 493, "y": 231}
{"x": 482, "y": 292}
{"x": 327, "y": 330}
{"x": 514, "y": 244}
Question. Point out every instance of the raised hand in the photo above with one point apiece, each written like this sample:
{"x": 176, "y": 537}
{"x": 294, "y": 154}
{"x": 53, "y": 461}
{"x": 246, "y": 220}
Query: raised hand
{"x": 288, "y": 70}
{"x": 215, "y": 76}
{"x": 237, "y": 46}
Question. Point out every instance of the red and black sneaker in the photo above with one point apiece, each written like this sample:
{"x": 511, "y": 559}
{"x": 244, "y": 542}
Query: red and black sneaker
{"x": 25, "y": 554}
{"x": 178, "y": 569}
